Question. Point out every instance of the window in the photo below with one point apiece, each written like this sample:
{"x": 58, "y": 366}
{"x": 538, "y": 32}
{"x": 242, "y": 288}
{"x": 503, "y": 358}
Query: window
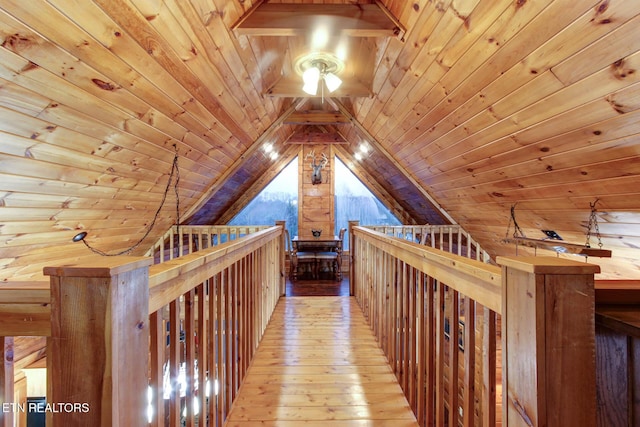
{"x": 354, "y": 201}
{"x": 277, "y": 201}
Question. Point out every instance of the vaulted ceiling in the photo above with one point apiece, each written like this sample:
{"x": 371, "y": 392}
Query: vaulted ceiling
{"x": 467, "y": 107}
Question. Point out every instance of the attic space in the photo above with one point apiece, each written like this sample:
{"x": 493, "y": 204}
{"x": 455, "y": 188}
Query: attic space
{"x": 464, "y": 108}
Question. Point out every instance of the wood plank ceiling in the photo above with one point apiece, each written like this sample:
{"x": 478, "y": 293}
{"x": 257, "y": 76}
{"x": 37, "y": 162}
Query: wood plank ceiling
{"x": 470, "y": 106}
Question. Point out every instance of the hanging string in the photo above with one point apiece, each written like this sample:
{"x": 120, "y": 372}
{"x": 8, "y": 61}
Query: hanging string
{"x": 175, "y": 171}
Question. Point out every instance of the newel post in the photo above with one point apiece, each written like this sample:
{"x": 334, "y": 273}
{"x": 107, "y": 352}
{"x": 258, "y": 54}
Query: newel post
{"x": 98, "y": 352}
{"x": 7, "y": 383}
{"x": 548, "y": 339}
{"x": 283, "y": 249}
{"x": 352, "y": 254}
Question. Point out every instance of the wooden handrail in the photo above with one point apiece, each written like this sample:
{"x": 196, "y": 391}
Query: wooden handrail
{"x": 25, "y": 305}
{"x": 169, "y": 280}
{"x": 450, "y": 238}
{"x": 210, "y": 306}
{"x": 478, "y": 280}
{"x": 438, "y": 317}
{"x": 411, "y": 295}
{"x": 25, "y": 308}
{"x": 198, "y": 237}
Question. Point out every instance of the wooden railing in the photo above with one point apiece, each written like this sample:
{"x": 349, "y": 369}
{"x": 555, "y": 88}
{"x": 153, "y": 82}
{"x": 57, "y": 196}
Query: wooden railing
{"x": 618, "y": 352}
{"x": 449, "y": 238}
{"x": 444, "y": 320}
{"x": 129, "y": 341}
{"x": 186, "y": 239}
{"x": 215, "y": 308}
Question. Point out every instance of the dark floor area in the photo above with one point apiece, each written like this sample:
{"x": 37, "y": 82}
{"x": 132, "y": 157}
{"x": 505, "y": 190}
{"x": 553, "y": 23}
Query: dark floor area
{"x": 300, "y": 288}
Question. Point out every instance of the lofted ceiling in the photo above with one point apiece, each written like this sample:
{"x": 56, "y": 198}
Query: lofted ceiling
{"x": 466, "y": 107}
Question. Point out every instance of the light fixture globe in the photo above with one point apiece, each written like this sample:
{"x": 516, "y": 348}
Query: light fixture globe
{"x": 317, "y": 67}
{"x": 332, "y": 81}
{"x": 311, "y": 77}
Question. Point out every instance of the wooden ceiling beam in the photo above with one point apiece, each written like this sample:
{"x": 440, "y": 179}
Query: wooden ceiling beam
{"x": 311, "y": 137}
{"x": 280, "y": 19}
{"x": 316, "y": 118}
{"x": 292, "y": 88}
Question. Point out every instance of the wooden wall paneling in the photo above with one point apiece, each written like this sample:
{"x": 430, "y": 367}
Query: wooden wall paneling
{"x": 433, "y": 36}
{"x": 585, "y": 172}
{"x": 555, "y": 159}
{"x": 315, "y": 203}
{"x": 431, "y": 108}
{"x": 137, "y": 27}
{"x": 27, "y": 126}
{"x": 41, "y": 83}
{"x": 226, "y": 59}
{"x": 392, "y": 51}
{"x": 552, "y": 52}
{"x": 107, "y": 86}
{"x": 621, "y": 16}
{"x": 583, "y": 107}
{"x": 613, "y": 373}
{"x": 583, "y": 137}
{"x": 550, "y": 106}
{"x": 61, "y": 156}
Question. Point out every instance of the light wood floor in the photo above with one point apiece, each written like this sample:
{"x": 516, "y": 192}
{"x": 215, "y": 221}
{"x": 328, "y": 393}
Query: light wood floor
{"x": 319, "y": 365}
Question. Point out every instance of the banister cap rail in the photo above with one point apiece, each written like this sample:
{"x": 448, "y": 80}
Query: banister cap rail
{"x": 478, "y": 280}
{"x": 169, "y": 280}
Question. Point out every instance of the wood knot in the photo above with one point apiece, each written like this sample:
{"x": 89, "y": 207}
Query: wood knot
{"x": 103, "y": 85}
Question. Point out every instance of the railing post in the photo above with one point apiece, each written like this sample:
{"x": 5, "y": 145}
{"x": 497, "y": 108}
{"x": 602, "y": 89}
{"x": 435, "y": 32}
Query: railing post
{"x": 98, "y": 352}
{"x": 352, "y": 247}
{"x": 548, "y": 339}
{"x": 6, "y": 383}
{"x": 283, "y": 265}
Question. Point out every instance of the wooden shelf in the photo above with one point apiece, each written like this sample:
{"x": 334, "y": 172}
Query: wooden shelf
{"x": 560, "y": 247}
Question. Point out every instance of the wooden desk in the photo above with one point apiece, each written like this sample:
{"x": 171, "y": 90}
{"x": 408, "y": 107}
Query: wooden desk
{"x": 315, "y": 251}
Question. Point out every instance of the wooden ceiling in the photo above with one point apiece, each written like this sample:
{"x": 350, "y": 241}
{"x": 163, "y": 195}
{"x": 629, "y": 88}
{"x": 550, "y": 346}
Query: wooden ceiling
{"x": 467, "y": 106}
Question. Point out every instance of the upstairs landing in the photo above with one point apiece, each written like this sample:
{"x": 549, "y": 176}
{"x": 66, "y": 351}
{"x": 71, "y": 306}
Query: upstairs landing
{"x": 319, "y": 365}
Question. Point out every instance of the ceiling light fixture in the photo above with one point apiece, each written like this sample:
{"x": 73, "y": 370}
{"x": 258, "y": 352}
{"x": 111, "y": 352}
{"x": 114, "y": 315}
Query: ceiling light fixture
{"x": 319, "y": 67}
{"x": 318, "y": 71}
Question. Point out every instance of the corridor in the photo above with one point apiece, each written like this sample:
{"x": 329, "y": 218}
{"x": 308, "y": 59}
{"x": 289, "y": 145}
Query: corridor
{"x": 318, "y": 364}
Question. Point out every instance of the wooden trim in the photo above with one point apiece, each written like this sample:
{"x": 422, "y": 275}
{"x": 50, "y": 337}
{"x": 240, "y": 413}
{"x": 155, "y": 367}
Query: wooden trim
{"x": 617, "y": 292}
{"x": 362, "y": 20}
{"x": 309, "y": 137}
{"x": 548, "y": 265}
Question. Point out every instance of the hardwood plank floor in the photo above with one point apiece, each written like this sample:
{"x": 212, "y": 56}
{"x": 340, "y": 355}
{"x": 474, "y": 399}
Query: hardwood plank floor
{"x": 300, "y": 288}
{"x": 319, "y": 365}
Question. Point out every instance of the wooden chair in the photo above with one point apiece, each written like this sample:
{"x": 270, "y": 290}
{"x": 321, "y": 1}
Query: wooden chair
{"x": 333, "y": 258}
{"x": 296, "y": 258}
